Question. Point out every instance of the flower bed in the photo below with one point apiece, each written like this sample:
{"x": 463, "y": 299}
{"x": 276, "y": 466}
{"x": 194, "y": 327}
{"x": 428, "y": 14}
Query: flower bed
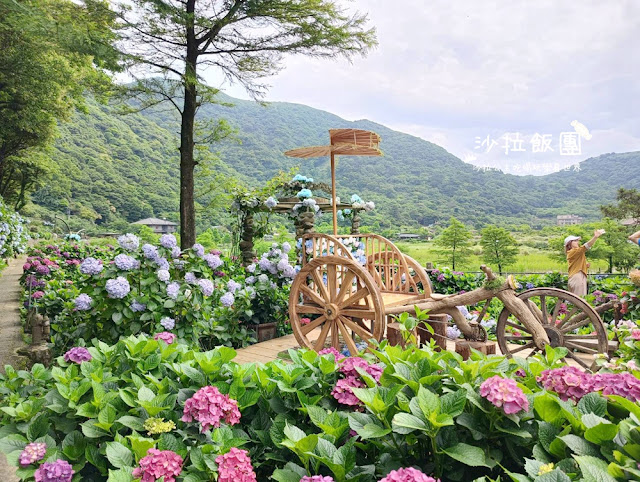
{"x": 147, "y": 408}
{"x": 13, "y": 233}
{"x": 107, "y": 292}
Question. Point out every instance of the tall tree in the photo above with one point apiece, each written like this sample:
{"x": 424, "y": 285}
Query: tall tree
{"x": 628, "y": 206}
{"x": 498, "y": 247}
{"x": 171, "y": 42}
{"x": 51, "y": 52}
{"x": 454, "y": 241}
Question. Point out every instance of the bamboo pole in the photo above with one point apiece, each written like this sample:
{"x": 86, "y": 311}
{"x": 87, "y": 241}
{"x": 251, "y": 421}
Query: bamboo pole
{"x": 333, "y": 194}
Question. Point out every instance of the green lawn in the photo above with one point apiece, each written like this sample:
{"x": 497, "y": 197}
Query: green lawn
{"x": 530, "y": 260}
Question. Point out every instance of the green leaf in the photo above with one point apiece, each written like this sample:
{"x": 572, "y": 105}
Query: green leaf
{"x": 428, "y": 401}
{"x": 134, "y": 423}
{"x": 140, "y": 445}
{"x": 469, "y": 455}
{"x": 554, "y": 476}
{"x": 593, "y": 403}
{"x": 116, "y": 317}
{"x": 453, "y": 403}
{"x": 120, "y": 475}
{"x": 406, "y": 423}
{"x": 594, "y": 469}
{"x": 119, "y": 455}
{"x": 580, "y": 446}
{"x": 73, "y": 445}
{"x": 603, "y": 432}
{"x": 38, "y": 427}
{"x": 548, "y": 407}
{"x": 145, "y": 394}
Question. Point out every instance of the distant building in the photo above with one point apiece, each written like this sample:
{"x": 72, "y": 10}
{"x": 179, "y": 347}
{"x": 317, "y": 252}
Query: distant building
{"x": 409, "y": 236}
{"x": 568, "y": 219}
{"x": 159, "y": 226}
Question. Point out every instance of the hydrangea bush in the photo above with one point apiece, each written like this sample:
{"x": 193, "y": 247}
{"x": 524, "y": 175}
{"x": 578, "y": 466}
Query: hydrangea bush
{"x": 13, "y": 232}
{"x": 139, "y": 409}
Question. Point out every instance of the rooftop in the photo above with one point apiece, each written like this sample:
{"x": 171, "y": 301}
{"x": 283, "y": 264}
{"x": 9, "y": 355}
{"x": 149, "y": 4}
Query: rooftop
{"x": 156, "y": 222}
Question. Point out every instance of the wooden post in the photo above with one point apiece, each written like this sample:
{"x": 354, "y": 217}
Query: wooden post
{"x": 439, "y": 324}
{"x": 463, "y": 347}
{"x": 333, "y": 194}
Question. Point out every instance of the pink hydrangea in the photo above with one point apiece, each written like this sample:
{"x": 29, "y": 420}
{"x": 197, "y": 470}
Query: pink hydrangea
{"x": 58, "y": 471}
{"x": 208, "y": 406}
{"x": 635, "y": 334}
{"x": 235, "y": 466}
{"x": 505, "y": 393}
{"x": 622, "y": 384}
{"x": 317, "y": 478}
{"x": 331, "y": 350}
{"x": 32, "y": 453}
{"x": 77, "y": 354}
{"x": 343, "y": 390}
{"x": 165, "y": 336}
{"x": 408, "y": 474}
{"x": 568, "y": 382}
{"x": 349, "y": 365}
{"x": 157, "y": 464}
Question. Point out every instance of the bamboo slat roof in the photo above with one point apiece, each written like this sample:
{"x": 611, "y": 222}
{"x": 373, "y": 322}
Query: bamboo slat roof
{"x": 344, "y": 142}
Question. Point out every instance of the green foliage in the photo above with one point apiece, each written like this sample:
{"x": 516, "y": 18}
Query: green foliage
{"x": 628, "y": 205}
{"x": 499, "y": 248}
{"x": 455, "y": 243}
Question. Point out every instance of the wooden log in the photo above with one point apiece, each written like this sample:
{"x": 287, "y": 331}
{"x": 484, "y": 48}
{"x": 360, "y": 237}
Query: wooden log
{"x": 439, "y": 324}
{"x": 394, "y": 334}
{"x": 463, "y": 347}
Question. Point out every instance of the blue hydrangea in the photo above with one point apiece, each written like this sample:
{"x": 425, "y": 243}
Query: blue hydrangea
{"x": 190, "y": 277}
{"x": 136, "y": 306}
{"x": 206, "y": 286}
{"x": 176, "y": 252}
{"x": 286, "y": 247}
{"x": 251, "y": 268}
{"x": 168, "y": 323}
{"x": 83, "y": 302}
{"x": 227, "y": 299}
{"x": 91, "y": 266}
{"x": 488, "y": 324}
{"x": 163, "y": 275}
{"x": 263, "y": 278}
{"x": 289, "y": 272}
{"x": 232, "y": 286}
{"x": 168, "y": 241}
{"x": 125, "y": 262}
{"x": 213, "y": 261}
{"x": 355, "y": 199}
{"x": 162, "y": 263}
{"x": 179, "y": 264}
{"x": 265, "y": 264}
{"x": 150, "y": 252}
{"x": 271, "y": 202}
{"x": 530, "y": 285}
{"x": 199, "y": 250}
{"x": 304, "y": 193}
{"x": 464, "y": 311}
{"x": 129, "y": 241}
{"x": 250, "y": 280}
{"x": 118, "y": 288}
{"x": 282, "y": 264}
{"x": 453, "y": 332}
{"x": 173, "y": 289}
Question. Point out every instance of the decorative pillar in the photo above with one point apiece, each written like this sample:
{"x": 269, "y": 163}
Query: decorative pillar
{"x": 355, "y": 222}
{"x": 304, "y": 223}
{"x": 247, "y": 252}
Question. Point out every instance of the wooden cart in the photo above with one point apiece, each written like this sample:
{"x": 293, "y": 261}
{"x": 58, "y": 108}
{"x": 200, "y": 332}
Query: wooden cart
{"x": 349, "y": 286}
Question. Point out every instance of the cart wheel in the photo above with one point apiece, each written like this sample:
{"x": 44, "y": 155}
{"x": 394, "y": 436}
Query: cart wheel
{"x": 340, "y": 299}
{"x": 568, "y": 320}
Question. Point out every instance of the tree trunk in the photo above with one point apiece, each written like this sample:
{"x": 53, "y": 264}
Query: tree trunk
{"x": 187, "y": 162}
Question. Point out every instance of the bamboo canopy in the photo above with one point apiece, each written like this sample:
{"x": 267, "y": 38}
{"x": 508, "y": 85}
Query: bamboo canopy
{"x": 343, "y": 142}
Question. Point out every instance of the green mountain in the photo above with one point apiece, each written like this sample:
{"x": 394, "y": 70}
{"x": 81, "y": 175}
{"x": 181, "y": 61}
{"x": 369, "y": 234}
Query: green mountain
{"x": 114, "y": 167}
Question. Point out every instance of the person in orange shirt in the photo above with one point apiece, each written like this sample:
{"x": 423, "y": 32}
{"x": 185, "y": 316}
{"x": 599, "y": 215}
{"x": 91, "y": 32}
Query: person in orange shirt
{"x": 576, "y": 256}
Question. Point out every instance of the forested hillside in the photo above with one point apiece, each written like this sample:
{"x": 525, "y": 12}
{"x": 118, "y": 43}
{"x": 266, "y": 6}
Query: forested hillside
{"x": 114, "y": 167}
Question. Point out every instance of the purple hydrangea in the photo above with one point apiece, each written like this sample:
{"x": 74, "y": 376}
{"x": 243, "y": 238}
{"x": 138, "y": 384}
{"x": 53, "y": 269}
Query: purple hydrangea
{"x": 83, "y": 302}
{"x": 190, "y": 277}
{"x": 176, "y": 252}
{"x": 289, "y": 272}
{"x": 77, "y": 354}
{"x": 178, "y": 263}
{"x": 440, "y": 278}
{"x": 91, "y": 266}
{"x": 163, "y": 275}
{"x": 125, "y": 262}
{"x": 32, "y": 453}
{"x": 162, "y": 263}
{"x": 198, "y": 249}
{"x": 251, "y": 268}
{"x": 129, "y": 241}
{"x": 136, "y": 306}
{"x": 150, "y": 252}
{"x": 43, "y": 270}
{"x": 233, "y": 286}
{"x": 213, "y": 260}
{"x": 408, "y": 474}
{"x": 286, "y": 247}
{"x": 263, "y": 278}
{"x": 168, "y": 323}
{"x": 206, "y": 286}
{"x": 32, "y": 282}
{"x": 505, "y": 393}
{"x": 118, "y": 288}
{"x": 227, "y": 299}
{"x": 58, "y": 471}
{"x": 317, "y": 478}
{"x": 530, "y": 285}
{"x": 173, "y": 289}
{"x": 168, "y": 241}
{"x": 250, "y": 280}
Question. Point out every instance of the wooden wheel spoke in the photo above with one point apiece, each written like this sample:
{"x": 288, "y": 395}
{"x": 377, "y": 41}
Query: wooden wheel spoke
{"x": 543, "y": 309}
{"x": 593, "y": 336}
{"x": 305, "y": 329}
{"x": 332, "y": 280}
{"x": 556, "y": 310}
{"x": 354, "y": 298}
{"x": 518, "y": 327}
{"x": 575, "y": 326}
{"x": 535, "y": 311}
{"x": 520, "y": 348}
{"x": 347, "y": 338}
{"x": 582, "y": 347}
{"x": 335, "y": 337}
{"x": 567, "y": 317}
{"x": 312, "y": 294}
{"x": 320, "y": 284}
{"x": 319, "y": 344}
{"x": 345, "y": 286}
{"x": 367, "y": 314}
{"x": 533, "y": 352}
{"x": 357, "y": 329}
{"x": 309, "y": 309}
{"x": 509, "y": 337}
{"x": 577, "y": 358}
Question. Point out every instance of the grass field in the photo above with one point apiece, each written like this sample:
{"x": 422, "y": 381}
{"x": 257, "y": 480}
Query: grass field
{"x": 530, "y": 260}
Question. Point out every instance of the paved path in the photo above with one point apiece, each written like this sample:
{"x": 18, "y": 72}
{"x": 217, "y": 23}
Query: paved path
{"x": 10, "y": 335}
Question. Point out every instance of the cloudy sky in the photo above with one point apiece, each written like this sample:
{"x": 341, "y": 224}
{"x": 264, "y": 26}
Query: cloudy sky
{"x": 490, "y": 81}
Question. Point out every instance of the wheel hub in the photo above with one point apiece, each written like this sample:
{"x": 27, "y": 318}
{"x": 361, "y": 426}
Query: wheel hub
{"x": 555, "y": 336}
{"x": 332, "y": 311}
